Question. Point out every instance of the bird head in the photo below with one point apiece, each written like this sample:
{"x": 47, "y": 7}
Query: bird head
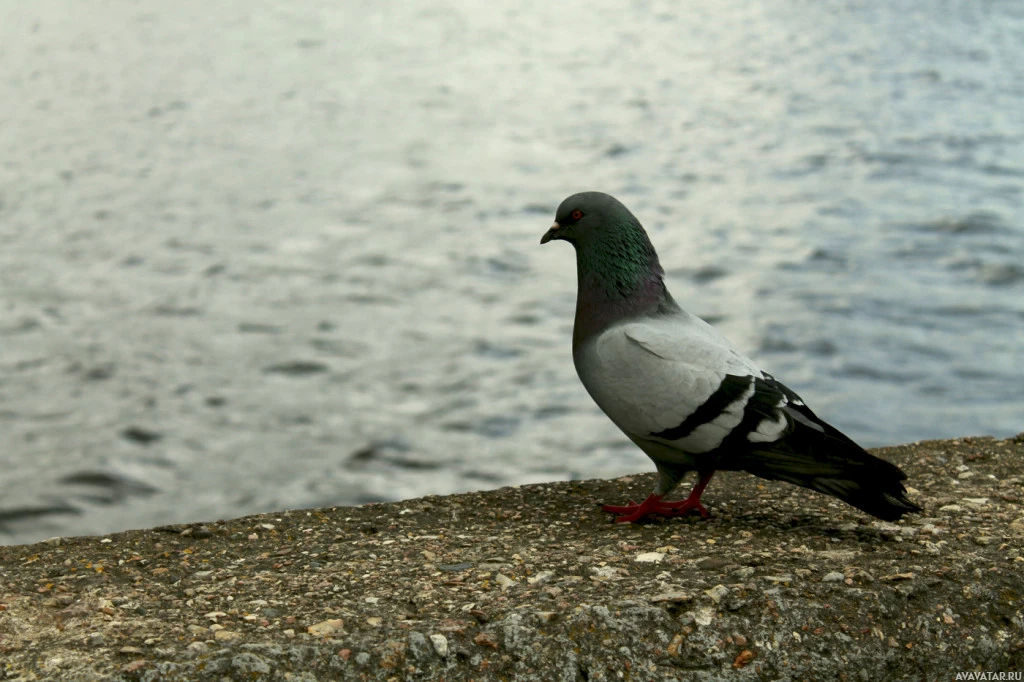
{"x": 591, "y": 218}
{"x": 577, "y": 217}
{"x": 612, "y": 249}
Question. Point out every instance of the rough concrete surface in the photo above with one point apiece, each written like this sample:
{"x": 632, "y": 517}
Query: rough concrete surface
{"x": 535, "y": 583}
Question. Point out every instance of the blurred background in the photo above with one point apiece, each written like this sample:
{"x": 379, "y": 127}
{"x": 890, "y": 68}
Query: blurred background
{"x": 264, "y": 255}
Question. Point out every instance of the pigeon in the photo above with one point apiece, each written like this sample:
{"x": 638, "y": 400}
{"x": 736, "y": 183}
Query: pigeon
{"x": 683, "y": 393}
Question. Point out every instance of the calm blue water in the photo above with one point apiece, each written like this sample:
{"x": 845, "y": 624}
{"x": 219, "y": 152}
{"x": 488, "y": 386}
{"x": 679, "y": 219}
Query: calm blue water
{"x": 259, "y": 255}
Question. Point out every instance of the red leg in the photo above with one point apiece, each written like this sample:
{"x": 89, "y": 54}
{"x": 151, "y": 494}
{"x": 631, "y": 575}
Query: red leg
{"x": 692, "y": 500}
{"x": 653, "y": 504}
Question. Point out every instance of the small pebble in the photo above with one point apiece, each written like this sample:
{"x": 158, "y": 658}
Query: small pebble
{"x": 227, "y": 635}
{"x": 671, "y": 597}
{"x": 675, "y": 646}
{"x": 326, "y": 628}
{"x": 743, "y": 658}
{"x": 440, "y": 643}
{"x": 486, "y": 639}
{"x": 196, "y": 649}
{"x": 717, "y": 593}
{"x": 650, "y": 557}
{"x": 541, "y": 578}
{"x": 134, "y": 666}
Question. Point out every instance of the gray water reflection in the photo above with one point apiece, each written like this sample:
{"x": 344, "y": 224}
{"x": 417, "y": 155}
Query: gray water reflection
{"x": 266, "y": 255}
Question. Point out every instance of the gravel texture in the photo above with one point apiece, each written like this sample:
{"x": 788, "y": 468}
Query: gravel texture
{"x": 535, "y": 583}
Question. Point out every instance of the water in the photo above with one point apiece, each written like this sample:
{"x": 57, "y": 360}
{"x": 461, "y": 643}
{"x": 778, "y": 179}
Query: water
{"x": 261, "y": 255}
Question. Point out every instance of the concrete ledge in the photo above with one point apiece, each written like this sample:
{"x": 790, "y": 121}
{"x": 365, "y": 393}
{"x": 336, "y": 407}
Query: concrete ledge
{"x": 534, "y": 583}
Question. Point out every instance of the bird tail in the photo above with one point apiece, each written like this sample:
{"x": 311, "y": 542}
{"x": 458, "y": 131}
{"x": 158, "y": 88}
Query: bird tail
{"x": 831, "y": 463}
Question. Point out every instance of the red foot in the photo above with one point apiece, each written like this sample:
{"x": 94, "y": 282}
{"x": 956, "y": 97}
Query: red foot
{"x": 633, "y": 512}
{"x": 653, "y": 505}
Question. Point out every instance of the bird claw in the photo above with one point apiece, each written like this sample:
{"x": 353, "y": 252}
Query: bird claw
{"x": 653, "y": 505}
{"x": 701, "y": 509}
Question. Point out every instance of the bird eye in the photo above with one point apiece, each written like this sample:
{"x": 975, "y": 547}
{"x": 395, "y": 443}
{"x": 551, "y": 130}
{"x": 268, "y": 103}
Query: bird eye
{"x": 577, "y": 214}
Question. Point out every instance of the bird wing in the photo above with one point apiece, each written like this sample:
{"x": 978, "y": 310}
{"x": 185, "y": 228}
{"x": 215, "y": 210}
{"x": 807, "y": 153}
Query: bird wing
{"x": 677, "y": 381}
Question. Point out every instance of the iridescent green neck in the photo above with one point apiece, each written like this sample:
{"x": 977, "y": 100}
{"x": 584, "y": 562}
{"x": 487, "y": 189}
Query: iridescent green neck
{"x": 619, "y": 263}
{"x": 619, "y": 278}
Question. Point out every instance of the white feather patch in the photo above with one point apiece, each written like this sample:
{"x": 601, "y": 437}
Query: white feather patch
{"x": 769, "y": 429}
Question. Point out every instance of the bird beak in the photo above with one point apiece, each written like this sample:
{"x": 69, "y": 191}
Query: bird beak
{"x": 550, "y": 234}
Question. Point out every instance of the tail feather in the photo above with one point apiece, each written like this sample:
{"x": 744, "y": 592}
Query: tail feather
{"x": 831, "y": 463}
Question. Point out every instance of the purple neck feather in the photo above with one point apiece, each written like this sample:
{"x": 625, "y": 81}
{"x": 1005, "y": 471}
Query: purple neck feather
{"x": 598, "y": 307}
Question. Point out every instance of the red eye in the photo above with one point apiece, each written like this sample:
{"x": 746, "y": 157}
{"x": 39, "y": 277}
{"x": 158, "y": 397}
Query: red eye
{"x": 577, "y": 214}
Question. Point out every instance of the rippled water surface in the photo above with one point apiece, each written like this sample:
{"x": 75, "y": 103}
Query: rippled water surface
{"x": 259, "y": 255}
